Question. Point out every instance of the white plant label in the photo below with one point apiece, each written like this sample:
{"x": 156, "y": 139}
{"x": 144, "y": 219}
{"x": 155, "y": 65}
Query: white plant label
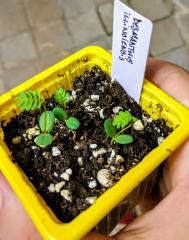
{"x": 131, "y": 40}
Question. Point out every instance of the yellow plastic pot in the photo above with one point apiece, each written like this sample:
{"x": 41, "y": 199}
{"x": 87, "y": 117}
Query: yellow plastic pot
{"x": 153, "y": 100}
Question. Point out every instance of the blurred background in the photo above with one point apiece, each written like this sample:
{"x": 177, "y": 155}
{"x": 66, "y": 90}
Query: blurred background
{"x": 34, "y": 34}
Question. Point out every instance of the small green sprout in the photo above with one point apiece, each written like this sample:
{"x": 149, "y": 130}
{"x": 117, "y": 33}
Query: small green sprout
{"x": 71, "y": 122}
{"x": 123, "y": 121}
{"x": 32, "y": 100}
{"x": 62, "y": 97}
{"x": 46, "y": 124}
{"x": 117, "y": 137}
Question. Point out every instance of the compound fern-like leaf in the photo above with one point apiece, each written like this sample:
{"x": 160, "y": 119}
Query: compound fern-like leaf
{"x": 61, "y": 96}
{"x": 122, "y": 119}
{"x": 29, "y": 100}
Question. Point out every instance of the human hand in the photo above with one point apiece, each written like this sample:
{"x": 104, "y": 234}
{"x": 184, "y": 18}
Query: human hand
{"x": 14, "y": 221}
{"x": 169, "y": 220}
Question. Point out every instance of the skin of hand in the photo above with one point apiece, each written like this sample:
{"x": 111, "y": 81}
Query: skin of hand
{"x": 166, "y": 220}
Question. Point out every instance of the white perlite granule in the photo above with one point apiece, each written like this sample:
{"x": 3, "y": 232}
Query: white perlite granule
{"x": 45, "y": 154}
{"x": 32, "y": 132}
{"x": 74, "y": 96}
{"x": 104, "y": 177}
{"x": 117, "y": 109}
{"x": 90, "y": 200}
{"x": 86, "y": 102}
{"x": 90, "y": 109}
{"x": 65, "y": 176}
{"x": 80, "y": 161}
{"x": 93, "y": 146}
{"x": 59, "y": 185}
{"x": 51, "y": 188}
{"x": 92, "y": 184}
{"x": 101, "y": 151}
{"x": 69, "y": 171}
{"x": 33, "y": 147}
{"x": 95, "y": 97}
{"x": 160, "y": 140}
{"x": 138, "y": 125}
{"x": 66, "y": 194}
{"x": 119, "y": 159}
{"x": 101, "y": 113}
{"x": 56, "y": 151}
{"x": 112, "y": 155}
{"x": 147, "y": 119}
{"x": 113, "y": 169}
{"x": 76, "y": 147}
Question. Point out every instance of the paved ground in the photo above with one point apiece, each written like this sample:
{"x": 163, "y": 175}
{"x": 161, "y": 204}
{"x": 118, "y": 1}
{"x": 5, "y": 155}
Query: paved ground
{"x": 34, "y": 34}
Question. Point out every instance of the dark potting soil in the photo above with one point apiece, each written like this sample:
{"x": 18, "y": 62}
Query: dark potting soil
{"x": 80, "y": 165}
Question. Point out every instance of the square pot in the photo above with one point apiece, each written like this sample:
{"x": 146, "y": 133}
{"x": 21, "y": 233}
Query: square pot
{"x": 153, "y": 100}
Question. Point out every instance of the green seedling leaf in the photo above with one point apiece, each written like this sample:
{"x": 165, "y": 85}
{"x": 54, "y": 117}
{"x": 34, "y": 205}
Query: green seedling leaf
{"x": 21, "y": 101}
{"x": 47, "y": 121}
{"x": 109, "y": 128}
{"x": 44, "y": 140}
{"x": 38, "y": 100}
{"x": 122, "y": 119}
{"x": 29, "y": 100}
{"x": 72, "y": 123}
{"x": 123, "y": 139}
{"x": 61, "y": 96}
{"x": 60, "y": 114}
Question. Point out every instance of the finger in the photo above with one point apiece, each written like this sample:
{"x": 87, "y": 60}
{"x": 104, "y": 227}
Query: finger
{"x": 168, "y": 220}
{"x": 1, "y": 200}
{"x": 148, "y": 203}
{"x": 13, "y": 216}
{"x": 178, "y": 166}
{"x": 97, "y": 236}
{"x": 171, "y": 78}
{"x": 175, "y": 81}
{"x": 165, "y": 185}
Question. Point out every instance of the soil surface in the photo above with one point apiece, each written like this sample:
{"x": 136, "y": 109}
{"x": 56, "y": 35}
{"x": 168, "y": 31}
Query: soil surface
{"x": 80, "y": 165}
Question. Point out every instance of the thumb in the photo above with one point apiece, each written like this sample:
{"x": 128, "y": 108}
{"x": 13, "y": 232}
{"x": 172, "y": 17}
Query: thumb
{"x": 97, "y": 236}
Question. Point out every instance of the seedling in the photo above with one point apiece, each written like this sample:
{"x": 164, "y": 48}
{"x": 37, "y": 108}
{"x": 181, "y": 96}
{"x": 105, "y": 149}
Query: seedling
{"x": 123, "y": 121}
{"x": 32, "y": 100}
{"x": 62, "y": 97}
{"x": 71, "y": 122}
